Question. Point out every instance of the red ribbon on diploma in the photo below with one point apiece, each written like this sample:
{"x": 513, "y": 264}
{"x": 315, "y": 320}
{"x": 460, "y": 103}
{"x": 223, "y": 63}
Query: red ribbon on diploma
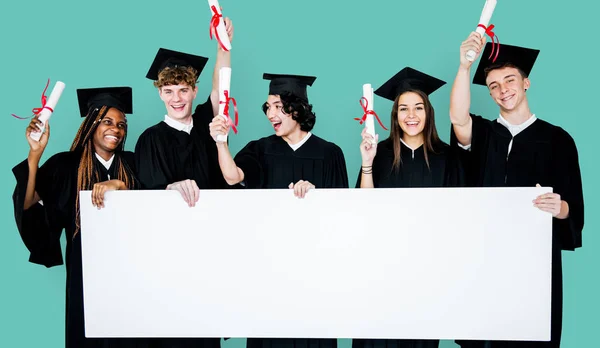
{"x": 495, "y": 40}
{"x": 214, "y": 23}
{"x": 366, "y": 112}
{"x": 226, "y": 111}
{"x": 38, "y": 110}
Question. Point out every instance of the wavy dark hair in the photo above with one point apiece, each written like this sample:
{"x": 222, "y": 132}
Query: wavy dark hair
{"x": 300, "y": 110}
{"x": 430, "y": 134}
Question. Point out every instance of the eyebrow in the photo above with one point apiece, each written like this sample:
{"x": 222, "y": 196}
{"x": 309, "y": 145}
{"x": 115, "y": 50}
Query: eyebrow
{"x": 113, "y": 120}
{"x": 504, "y": 78}
{"x": 419, "y": 103}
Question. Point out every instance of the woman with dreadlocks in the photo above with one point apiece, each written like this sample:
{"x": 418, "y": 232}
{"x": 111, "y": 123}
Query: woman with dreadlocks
{"x": 46, "y": 200}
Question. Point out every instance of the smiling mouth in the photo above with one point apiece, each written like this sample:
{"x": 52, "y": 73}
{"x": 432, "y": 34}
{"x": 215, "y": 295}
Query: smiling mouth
{"x": 412, "y": 123}
{"x": 111, "y": 139}
{"x": 276, "y": 125}
{"x": 507, "y": 98}
{"x": 178, "y": 107}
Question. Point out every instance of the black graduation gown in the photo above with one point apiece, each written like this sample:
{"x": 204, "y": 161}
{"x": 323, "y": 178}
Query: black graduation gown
{"x": 165, "y": 155}
{"x": 41, "y": 226}
{"x": 271, "y": 163}
{"x": 443, "y": 170}
{"x": 541, "y": 154}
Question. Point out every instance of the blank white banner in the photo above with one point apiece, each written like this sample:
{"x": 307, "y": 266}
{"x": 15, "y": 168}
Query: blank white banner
{"x": 381, "y": 263}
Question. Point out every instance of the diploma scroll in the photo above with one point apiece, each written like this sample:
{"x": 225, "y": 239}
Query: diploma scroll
{"x": 48, "y": 108}
{"x": 369, "y": 122}
{"x": 224, "y": 85}
{"x": 484, "y": 20}
{"x": 217, "y": 20}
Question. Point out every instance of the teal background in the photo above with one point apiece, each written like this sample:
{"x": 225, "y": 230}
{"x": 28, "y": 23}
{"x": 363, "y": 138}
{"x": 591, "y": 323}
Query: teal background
{"x": 344, "y": 43}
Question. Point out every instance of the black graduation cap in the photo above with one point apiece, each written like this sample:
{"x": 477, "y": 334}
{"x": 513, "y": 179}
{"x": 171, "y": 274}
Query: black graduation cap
{"x": 294, "y": 84}
{"x": 168, "y": 58}
{"x": 521, "y": 57}
{"x": 115, "y": 97}
{"x": 409, "y": 79}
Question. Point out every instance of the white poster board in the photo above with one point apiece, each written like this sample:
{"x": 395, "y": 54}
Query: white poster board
{"x": 382, "y": 263}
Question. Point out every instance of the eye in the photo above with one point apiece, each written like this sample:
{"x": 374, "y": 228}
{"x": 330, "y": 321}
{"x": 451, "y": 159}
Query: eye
{"x": 122, "y": 126}
{"x": 493, "y": 87}
{"x": 403, "y": 109}
{"x": 420, "y": 108}
{"x": 107, "y": 122}
{"x": 511, "y": 80}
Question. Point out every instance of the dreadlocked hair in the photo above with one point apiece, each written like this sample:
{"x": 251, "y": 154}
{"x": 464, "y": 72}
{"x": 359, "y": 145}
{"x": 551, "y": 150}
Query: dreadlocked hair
{"x": 84, "y": 144}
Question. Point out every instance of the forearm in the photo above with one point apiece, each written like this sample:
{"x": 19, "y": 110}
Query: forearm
{"x": 231, "y": 173}
{"x": 366, "y": 180}
{"x": 460, "y": 98}
{"x": 564, "y": 210}
{"x": 31, "y": 196}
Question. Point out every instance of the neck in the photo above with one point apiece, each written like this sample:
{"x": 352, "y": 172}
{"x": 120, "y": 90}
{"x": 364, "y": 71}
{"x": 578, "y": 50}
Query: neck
{"x": 106, "y": 155}
{"x": 518, "y": 115}
{"x": 187, "y": 120}
{"x": 295, "y": 136}
{"x": 414, "y": 141}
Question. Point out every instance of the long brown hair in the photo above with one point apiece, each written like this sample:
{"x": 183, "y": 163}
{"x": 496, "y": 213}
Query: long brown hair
{"x": 84, "y": 143}
{"x": 430, "y": 138}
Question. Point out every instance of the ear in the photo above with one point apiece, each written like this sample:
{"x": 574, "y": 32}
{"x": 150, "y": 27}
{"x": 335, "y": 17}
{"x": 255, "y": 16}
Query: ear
{"x": 526, "y": 84}
{"x": 195, "y": 90}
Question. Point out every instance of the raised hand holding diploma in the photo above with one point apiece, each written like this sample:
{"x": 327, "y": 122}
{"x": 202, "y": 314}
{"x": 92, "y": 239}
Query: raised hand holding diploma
{"x": 45, "y": 111}
{"x": 483, "y": 27}
{"x": 366, "y": 102}
{"x": 217, "y": 25}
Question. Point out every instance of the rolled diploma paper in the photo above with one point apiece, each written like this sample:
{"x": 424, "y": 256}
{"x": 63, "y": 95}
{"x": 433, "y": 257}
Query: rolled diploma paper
{"x": 45, "y": 114}
{"x": 486, "y": 16}
{"x": 369, "y": 122}
{"x": 224, "y": 85}
{"x": 221, "y": 27}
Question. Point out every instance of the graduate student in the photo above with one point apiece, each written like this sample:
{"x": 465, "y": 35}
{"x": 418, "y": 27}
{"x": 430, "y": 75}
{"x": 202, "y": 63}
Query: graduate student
{"x": 520, "y": 149}
{"x": 413, "y": 155}
{"x": 178, "y": 152}
{"x": 292, "y": 157}
{"x": 46, "y": 199}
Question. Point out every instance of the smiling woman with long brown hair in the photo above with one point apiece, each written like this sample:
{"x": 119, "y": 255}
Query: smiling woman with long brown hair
{"x": 46, "y": 200}
{"x": 413, "y": 155}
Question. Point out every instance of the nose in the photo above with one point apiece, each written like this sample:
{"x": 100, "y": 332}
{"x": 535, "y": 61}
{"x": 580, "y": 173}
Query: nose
{"x": 412, "y": 113}
{"x": 271, "y": 113}
{"x": 176, "y": 96}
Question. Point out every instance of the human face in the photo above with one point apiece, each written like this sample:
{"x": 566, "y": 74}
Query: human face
{"x": 178, "y": 100}
{"x": 282, "y": 123}
{"x": 507, "y": 87}
{"x": 110, "y": 132}
{"x": 411, "y": 114}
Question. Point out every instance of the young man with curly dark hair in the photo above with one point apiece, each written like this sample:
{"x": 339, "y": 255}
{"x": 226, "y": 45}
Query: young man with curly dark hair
{"x": 293, "y": 157}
